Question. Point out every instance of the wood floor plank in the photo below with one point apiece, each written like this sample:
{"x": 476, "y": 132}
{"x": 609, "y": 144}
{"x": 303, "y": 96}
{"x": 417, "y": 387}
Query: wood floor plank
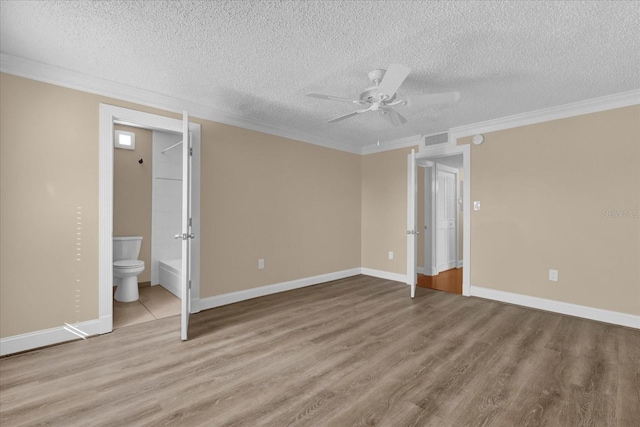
{"x": 355, "y": 351}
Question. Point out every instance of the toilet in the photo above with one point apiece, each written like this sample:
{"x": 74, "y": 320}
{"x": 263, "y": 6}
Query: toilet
{"x": 126, "y": 267}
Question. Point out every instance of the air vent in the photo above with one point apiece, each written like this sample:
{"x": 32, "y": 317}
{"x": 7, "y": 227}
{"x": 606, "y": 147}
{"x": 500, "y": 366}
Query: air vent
{"x": 436, "y": 138}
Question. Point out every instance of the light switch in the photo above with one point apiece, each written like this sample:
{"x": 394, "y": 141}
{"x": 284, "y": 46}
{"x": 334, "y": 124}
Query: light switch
{"x": 476, "y": 205}
{"x": 390, "y": 254}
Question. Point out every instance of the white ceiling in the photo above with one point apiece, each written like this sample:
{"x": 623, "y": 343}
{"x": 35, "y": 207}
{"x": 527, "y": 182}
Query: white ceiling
{"x": 257, "y": 59}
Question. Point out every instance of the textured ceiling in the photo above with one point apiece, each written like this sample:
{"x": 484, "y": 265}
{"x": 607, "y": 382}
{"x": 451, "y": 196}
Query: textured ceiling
{"x": 257, "y": 59}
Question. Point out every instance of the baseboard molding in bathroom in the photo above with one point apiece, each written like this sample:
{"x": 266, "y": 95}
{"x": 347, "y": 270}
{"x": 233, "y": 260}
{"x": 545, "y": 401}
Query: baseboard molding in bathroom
{"x": 45, "y": 337}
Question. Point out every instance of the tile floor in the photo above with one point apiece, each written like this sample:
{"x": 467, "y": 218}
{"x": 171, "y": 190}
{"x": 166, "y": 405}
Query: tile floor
{"x": 155, "y": 302}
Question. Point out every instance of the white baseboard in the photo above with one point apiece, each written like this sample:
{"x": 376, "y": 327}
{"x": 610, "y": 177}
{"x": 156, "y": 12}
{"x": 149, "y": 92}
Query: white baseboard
{"x": 601, "y": 315}
{"x": 460, "y": 263}
{"x": 232, "y": 297}
{"x": 420, "y": 270}
{"x": 384, "y": 274}
{"x": 31, "y": 340}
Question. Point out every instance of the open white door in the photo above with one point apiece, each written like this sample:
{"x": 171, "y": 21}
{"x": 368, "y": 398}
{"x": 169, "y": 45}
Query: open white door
{"x": 412, "y": 233}
{"x": 185, "y": 293}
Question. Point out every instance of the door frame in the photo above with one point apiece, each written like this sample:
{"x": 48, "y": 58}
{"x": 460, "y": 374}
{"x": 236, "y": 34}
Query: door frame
{"x": 108, "y": 115}
{"x": 432, "y": 153}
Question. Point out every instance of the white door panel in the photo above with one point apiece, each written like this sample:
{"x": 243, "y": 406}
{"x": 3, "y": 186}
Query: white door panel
{"x": 446, "y": 204}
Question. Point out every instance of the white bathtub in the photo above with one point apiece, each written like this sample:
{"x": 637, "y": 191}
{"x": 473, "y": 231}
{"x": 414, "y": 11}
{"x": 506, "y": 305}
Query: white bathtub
{"x": 170, "y": 275}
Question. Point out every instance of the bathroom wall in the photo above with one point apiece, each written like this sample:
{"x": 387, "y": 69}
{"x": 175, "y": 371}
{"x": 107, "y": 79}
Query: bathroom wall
{"x": 132, "y": 193}
{"x": 167, "y": 201}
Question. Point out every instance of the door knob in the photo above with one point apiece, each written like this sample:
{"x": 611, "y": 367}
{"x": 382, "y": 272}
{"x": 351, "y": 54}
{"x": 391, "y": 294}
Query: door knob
{"x": 184, "y": 236}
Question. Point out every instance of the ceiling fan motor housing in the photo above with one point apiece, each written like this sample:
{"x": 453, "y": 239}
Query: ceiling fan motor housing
{"x": 371, "y": 94}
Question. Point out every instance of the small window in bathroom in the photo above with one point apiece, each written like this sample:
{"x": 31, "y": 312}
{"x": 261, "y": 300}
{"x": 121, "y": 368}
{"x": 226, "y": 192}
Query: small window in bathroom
{"x": 125, "y": 139}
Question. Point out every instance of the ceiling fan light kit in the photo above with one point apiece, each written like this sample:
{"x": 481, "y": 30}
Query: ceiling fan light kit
{"x": 382, "y": 96}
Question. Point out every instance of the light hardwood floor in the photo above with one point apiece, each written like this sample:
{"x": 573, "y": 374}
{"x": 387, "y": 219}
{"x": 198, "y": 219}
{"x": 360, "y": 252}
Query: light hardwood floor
{"x": 447, "y": 281}
{"x": 356, "y": 351}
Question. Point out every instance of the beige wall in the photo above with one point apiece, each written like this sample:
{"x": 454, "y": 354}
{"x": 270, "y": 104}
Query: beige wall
{"x": 48, "y": 193}
{"x": 544, "y": 189}
{"x": 293, "y": 204}
{"x": 132, "y": 194}
{"x": 384, "y": 210}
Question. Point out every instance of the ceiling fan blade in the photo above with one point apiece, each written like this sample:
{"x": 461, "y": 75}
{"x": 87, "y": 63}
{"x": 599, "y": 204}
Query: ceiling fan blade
{"x": 433, "y": 98}
{"x": 346, "y": 116}
{"x": 393, "y": 116}
{"x": 393, "y": 78}
{"x": 333, "y": 98}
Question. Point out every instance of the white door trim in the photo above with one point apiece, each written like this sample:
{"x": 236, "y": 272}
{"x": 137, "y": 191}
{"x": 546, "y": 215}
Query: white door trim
{"x": 109, "y": 114}
{"x": 432, "y": 153}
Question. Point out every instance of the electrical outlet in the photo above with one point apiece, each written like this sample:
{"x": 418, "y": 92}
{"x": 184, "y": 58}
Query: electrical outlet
{"x": 390, "y": 254}
{"x": 476, "y": 205}
{"x": 260, "y": 264}
{"x": 553, "y": 275}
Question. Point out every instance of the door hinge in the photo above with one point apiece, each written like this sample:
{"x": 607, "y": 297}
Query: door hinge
{"x": 191, "y": 151}
{"x": 189, "y": 284}
{"x": 190, "y": 222}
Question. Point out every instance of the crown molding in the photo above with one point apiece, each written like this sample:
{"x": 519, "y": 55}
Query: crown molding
{"x": 609, "y": 102}
{"x": 73, "y": 80}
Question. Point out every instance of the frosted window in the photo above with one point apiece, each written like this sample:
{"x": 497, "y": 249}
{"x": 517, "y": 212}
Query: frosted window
{"x": 125, "y": 140}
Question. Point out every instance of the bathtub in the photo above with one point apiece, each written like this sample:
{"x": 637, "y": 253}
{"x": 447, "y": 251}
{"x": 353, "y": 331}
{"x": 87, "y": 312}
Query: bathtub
{"x": 170, "y": 276}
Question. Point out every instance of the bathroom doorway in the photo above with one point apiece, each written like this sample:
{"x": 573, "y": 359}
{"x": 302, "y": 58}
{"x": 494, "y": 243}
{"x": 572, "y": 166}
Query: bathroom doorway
{"x": 147, "y": 195}
{"x": 188, "y": 212}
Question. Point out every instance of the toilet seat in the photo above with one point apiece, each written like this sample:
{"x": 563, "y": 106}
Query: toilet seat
{"x": 128, "y": 264}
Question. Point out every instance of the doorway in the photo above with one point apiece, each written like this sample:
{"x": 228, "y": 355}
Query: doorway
{"x": 147, "y": 203}
{"x": 431, "y": 155}
{"x": 439, "y": 216}
{"x": 109, "y": 116}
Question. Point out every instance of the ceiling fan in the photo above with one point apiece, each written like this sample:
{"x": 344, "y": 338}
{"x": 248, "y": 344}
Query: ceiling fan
{"x": 381, "y": 97}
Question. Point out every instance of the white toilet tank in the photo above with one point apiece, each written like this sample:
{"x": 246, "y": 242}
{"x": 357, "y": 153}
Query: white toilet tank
{"x": 126, "y": 247}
